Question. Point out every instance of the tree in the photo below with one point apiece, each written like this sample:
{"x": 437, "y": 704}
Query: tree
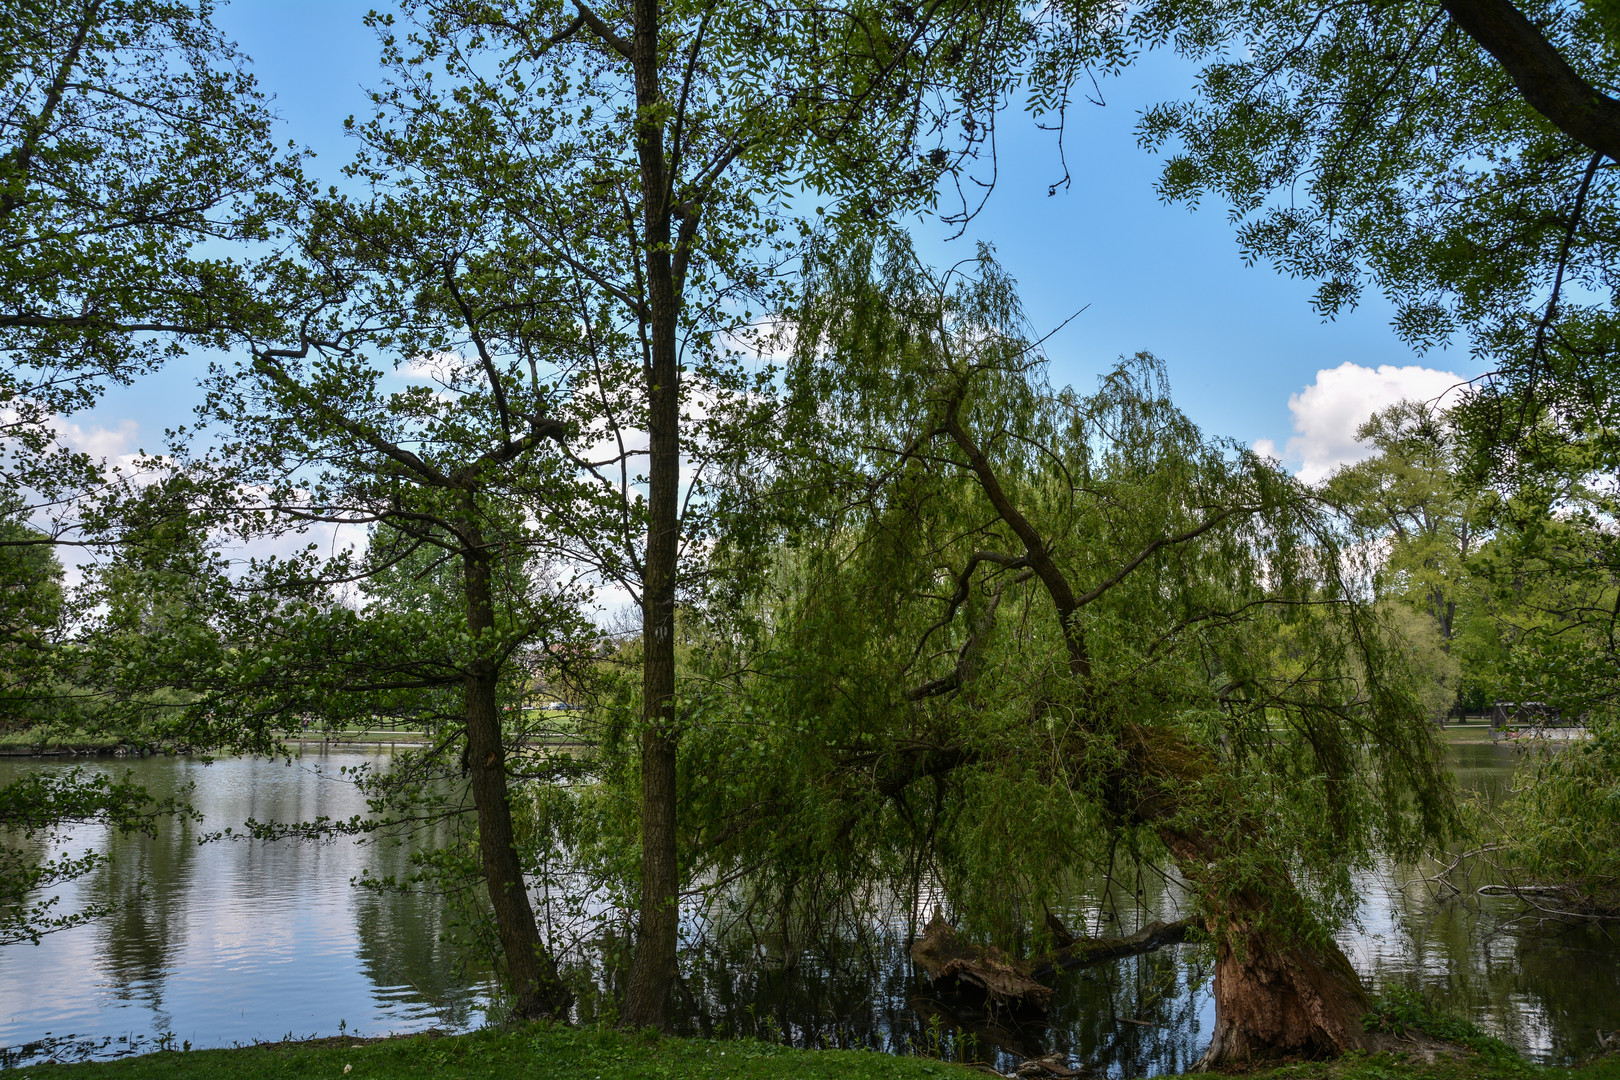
{"x": 31, "y": 624}
{"x": 1552, "y": 599}
{"x": 1416, "y": 499}
{"x": 451, "y": 483}
{"x": 651, "y": 154}
{"x": 1022, "y": 630}
{"x": 131, "y": 134}
{"x": 1414, "y": 491}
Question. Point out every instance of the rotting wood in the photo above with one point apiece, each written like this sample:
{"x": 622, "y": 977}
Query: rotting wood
{"x": 1155, "y": 935}
{"x": 940, "y": 953}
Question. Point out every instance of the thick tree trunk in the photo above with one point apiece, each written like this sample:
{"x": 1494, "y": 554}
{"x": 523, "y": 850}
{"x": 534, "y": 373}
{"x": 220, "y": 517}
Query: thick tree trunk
{"x": 1276, "y": 1002}
{"x": 1272, "y": 999}
{"x": 653, "y": 971}
{"x": 537, "y": 989}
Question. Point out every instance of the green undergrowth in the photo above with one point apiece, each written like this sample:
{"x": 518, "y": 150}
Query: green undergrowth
{"x": 1462, "y": 1066}
{"x": 1402, "y": 1013}
{"x": 38, "y": 739}
{"x": 559, "y": 1053}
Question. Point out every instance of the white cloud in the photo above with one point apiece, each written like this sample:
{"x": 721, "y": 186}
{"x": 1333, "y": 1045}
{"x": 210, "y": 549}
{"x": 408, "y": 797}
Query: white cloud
{"x": 1329, "y": 410}
{"x": 115, "y": 444}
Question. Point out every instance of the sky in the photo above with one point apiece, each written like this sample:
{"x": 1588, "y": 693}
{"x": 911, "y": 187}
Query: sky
{"x": 1247, "y": 357}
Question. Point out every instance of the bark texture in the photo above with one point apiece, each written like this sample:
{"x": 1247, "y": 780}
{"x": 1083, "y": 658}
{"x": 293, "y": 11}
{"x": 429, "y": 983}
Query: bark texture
{"x": 1002, "y": 977}
{"x": 1543, "y": 76}
{"x": 537, "y": 990}
{"x": 1296, "y": 1002}
{"x": 1272, "y": 999}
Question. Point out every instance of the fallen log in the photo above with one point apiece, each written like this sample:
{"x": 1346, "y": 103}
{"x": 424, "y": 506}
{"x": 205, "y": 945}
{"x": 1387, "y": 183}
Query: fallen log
{"x": 940, "y": 953}
{"x": 1083, "y": 951}
{"x": 1009, "y": 979}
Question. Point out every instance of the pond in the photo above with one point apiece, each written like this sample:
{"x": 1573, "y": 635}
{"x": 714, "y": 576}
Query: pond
{"x": 235, "y": 942}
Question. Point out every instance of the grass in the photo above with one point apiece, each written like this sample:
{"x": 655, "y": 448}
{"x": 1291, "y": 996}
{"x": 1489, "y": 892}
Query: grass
{"x": 555, "y": 1053}
{"x": 559, "y": 1053}
{"x": 1466, "y": 733}
{"x": 31, "y": 740}
{"x": 1467, "y": 1066}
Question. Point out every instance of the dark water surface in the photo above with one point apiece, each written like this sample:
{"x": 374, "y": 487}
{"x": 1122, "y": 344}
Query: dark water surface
{"x": 236, "y": 942}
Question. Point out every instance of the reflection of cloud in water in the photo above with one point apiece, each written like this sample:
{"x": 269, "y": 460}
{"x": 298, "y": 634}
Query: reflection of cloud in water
{"x": 232, "y": 942}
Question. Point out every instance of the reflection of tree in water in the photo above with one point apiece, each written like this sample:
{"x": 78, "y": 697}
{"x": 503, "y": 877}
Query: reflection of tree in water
{"x": 146, "y": 885}
{"x": 1573, "y": 972}
{"x": 406, "y": 958}
{"x": 402, "y": 943}
{"x": 1545, "y": 988}
{"x": 1135, "y": 1016}
{"x": 844, "y": 978}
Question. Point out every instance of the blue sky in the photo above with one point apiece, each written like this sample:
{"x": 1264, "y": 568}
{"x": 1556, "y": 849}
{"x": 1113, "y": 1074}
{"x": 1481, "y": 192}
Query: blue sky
{"x": 1239, "y": 341}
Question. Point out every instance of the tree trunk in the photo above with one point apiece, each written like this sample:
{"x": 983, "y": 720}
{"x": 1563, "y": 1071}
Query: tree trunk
{"x": 1272, "y": 999}
{"x": 653, "y": 971}
{"x": 537, "y": 990}
{"x": 1294, "y": 1002}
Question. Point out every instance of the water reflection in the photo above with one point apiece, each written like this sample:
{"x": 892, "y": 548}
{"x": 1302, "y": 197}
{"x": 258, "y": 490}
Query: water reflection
{"x": 235, "y": 942}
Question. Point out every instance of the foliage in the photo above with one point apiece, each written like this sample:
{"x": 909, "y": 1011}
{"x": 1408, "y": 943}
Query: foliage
{"x": 1564, "y": 825}
{"x": 1398, "y": 1011}
{"x": 130, "y": 135}
{"x": 897, "y": 700}
{"x": 136, "y": 162}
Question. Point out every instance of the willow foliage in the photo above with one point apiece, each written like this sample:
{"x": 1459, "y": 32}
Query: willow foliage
{"x": 909, "y": 705}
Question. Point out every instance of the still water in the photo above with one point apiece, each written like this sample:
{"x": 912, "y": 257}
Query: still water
{"x": 229, "y": 942}
{"x": 236, "y": 942}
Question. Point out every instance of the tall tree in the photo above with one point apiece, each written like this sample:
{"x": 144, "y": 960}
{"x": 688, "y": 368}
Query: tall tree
{"x": 409, "y": 411}
{"x": 1416, "y": 491}
{"x": 131, "y": 135}
{"x": 666, "y": 155}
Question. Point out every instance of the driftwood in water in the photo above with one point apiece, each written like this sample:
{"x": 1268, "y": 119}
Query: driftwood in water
{"x": 1003, "y": 977}
{"x": 940, "y": 953}
{"x": 1082, "y": 951}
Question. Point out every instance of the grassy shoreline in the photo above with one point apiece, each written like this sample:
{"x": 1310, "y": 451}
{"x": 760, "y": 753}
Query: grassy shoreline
{"x": 561, "y": 1053}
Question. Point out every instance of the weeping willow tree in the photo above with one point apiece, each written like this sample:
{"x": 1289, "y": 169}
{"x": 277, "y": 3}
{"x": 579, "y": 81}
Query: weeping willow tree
{"x": 1010, "y": 631}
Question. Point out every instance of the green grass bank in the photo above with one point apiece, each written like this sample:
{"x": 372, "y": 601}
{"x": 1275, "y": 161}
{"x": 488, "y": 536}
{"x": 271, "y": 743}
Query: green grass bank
{"x": 557, "y": 1053}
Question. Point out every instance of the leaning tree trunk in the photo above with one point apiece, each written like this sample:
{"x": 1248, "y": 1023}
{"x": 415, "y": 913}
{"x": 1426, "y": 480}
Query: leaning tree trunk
{"x": 537, "y": 989}
{"x": 1273, "y": 998}
{"x": 1274, "y": 1002}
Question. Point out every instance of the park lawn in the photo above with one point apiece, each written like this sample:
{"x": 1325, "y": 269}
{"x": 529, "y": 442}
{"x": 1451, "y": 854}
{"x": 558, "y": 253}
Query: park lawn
{"x": 1466, "y": 733}
{"x": 559, "y": 1053}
